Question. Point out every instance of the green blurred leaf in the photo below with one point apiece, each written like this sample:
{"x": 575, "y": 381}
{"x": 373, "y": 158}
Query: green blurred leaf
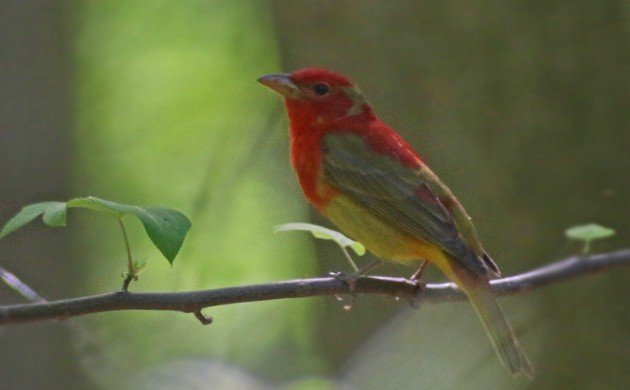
{"x": 323, "y": 234}
{"x": 358, "y": 248}
{"x": 54, "y": 215}
{"x": 589, "y": 232}
{"x": 166, "y": 228}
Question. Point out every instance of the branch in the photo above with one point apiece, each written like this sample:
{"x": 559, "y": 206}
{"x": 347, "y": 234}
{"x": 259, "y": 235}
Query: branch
{"x": 194, "y": 301}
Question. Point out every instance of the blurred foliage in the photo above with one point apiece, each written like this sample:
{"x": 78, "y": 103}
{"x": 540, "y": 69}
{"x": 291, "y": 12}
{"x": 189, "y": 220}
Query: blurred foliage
{"x": 168, "y": 107}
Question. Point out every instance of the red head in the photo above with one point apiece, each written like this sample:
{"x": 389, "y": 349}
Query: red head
{"x": 321, "y": 102}
{"x": 317, "y": 96}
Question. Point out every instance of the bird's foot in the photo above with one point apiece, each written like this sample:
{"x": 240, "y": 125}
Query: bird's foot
{"x": 350, "y": 279}
{"x": 416, "y": 278}
{"x": 414, "y": 299}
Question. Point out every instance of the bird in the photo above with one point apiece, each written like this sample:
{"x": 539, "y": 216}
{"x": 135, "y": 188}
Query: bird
{"x": 368, "y": 181}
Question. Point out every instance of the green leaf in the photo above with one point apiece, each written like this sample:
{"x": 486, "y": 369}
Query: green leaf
{"x": 324, "y": 234}
{"x": 358, "y": 248}
{"x": 589, "y": 232}
{"x": 54, "y": 215}
{"x": 166, "y": 228}
{"x": 103, "y": 206}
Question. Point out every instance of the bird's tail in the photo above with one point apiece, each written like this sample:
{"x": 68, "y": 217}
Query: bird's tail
{"x": 498, "y": 328}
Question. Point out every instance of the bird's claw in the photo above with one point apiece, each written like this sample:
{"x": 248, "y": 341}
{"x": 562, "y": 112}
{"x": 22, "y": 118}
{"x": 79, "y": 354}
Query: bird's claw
{"x": 414, "y": 299}
{"x": 350, "y": 279}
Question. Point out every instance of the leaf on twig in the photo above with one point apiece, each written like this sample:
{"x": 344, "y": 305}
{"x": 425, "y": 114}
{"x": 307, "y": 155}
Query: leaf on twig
{"x": 54, "y": 215}
{"x": 166, "y": 228}
{"x": 323, "y": 234}
{"x": 588, "y": 233}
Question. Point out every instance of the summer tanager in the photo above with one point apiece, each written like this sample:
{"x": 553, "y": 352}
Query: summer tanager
{"x": 368, "y": 181}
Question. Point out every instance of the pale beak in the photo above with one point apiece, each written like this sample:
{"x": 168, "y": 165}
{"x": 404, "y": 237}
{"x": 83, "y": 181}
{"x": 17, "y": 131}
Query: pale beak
{"x": 282, "y": 84}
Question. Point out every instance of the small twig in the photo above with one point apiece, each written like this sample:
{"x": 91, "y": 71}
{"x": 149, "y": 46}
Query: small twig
{"x": 349, "y": 258}
{"x": 19, "y": 286}
{"x": 194, "y": 301}
{"x": 128, "y": 278}
{"x": 130, "y": 274}
{"x": 204, "y": 319}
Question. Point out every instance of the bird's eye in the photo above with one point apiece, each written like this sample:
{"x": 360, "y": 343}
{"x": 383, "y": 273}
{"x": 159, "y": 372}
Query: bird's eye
{"x": 321, "y": 89}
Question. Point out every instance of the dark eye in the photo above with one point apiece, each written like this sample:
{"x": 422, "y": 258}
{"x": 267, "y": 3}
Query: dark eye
{"x": 321, "y": 89}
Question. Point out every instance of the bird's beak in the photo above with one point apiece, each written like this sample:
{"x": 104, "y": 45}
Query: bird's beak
{"x": 282, "y": 84}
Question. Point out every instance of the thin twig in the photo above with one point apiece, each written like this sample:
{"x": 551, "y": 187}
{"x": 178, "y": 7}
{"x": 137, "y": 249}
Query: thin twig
{"x": 349, "y": 258}
{"x": 194, "y": 301}
{"x": 204, "y": 319}
{"x": 130, "y": 274}
{"x": 19, "y": 286}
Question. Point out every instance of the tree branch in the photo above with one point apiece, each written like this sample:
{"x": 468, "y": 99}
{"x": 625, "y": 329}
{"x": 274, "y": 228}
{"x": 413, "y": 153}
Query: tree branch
{"x": 194, "y": 301}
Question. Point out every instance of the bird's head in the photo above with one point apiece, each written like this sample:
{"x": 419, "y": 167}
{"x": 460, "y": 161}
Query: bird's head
{"x": 317, "y": 96}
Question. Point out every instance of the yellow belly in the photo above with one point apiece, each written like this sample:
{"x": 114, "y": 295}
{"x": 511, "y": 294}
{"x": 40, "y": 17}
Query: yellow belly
{"x": 383, "y": 239}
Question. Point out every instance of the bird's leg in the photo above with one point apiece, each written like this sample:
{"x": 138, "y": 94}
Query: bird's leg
{"x": 415, "y": 278}
{"x": 351, "y": 278}
{"x": 374, "y": 264}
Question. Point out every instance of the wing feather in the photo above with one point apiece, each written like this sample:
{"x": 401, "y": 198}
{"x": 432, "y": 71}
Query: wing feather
{"x": 397, "y": 194}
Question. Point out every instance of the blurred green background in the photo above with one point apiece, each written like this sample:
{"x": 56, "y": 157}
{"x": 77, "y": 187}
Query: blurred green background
{"x": 521, "y": 107}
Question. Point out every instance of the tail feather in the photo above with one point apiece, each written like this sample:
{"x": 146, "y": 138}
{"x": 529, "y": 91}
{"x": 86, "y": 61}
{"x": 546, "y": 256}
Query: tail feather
{"x": 499, "y": 330}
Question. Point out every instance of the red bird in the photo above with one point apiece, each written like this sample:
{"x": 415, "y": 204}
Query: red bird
{"x": 369, "y": 182}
